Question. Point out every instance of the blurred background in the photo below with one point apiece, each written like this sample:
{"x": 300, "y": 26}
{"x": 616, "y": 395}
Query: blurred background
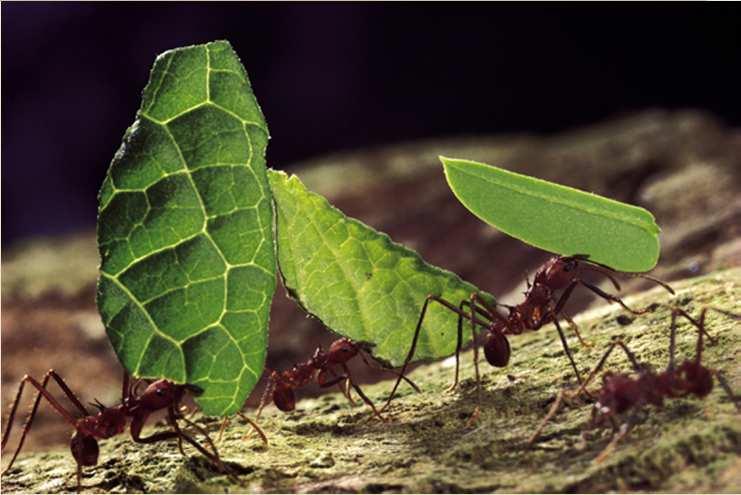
{"x": 637, "y": 102}
{"x": 336, "y": 77}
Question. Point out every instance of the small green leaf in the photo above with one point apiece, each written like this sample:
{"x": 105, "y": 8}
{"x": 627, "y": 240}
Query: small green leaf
{"x": 557, "y": 218}
{"x": 357, "y": 281}
{"x": 185, "y": 230}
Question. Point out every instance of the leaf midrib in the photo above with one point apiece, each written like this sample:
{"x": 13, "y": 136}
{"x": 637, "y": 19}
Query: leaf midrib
{"x": 559, "y": 201}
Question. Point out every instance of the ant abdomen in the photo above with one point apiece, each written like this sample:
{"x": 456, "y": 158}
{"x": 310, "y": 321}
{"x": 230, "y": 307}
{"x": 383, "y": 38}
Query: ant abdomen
{"x": 84, "y": 449}
{"x": 284, "y": 398}
{"x": 496, "y": 349}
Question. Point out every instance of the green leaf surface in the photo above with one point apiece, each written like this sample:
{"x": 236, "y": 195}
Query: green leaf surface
{"x": 557, "y": 218}
{"x": 185, "y": 230}
{"x": 357, "y": 281}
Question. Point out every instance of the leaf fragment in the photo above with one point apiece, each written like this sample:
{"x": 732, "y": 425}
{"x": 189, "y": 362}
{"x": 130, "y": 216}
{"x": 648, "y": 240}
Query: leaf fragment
{"x": 357, "y": 281}
{"x": 185, "y": 230}
{"x": 556, "y": 218}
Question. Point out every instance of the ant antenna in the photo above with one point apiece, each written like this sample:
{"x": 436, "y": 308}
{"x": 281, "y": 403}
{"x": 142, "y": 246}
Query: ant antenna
{"x": 98, "y": 405}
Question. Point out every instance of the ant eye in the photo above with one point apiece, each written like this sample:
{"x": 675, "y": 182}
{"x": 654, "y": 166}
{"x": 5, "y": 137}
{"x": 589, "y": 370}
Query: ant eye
{"x": 160, "y": 392}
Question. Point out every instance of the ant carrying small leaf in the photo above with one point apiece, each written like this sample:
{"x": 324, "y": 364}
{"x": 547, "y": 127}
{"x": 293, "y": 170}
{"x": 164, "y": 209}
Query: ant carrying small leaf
{"x": 542, "y": 305}
{"x": 622, "y": 393}
{"x": 322, "y": 369}
{"x": 111, "y": 421}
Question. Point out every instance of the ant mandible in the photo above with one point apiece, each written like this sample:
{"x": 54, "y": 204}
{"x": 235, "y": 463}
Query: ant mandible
{"x": 540, "y": 307}
{"x": 111, "y": 421}
{"x": 622, "y": 392}
{"x": 321, "y": 367}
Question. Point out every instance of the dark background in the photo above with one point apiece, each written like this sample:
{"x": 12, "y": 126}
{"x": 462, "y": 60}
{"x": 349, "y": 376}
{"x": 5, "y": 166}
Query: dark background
{"x": 335, "y": 77}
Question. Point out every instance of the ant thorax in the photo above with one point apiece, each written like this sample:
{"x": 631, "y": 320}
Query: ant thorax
{"x": 107, "y": 423}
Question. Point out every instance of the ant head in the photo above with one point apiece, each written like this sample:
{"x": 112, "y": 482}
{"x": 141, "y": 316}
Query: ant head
{"x": 284, "y": 398}
{"x": 496, "y": 349}
{"x": 342, "y": 350}
{"x": 161, "y": 394}
{"x": 560, "y": 271}
{"x": 84, "y": 449}
{"x": 696, "y": 378}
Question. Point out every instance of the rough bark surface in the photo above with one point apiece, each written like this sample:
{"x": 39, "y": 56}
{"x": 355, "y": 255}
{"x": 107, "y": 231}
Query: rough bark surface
{"x": 684, "y": 166}
{"x": 428, "y": 446}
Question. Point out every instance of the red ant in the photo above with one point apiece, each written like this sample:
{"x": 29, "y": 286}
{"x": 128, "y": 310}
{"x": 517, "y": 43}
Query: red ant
{"x": 320, "y": 368}
{"x": 540, "y": 307}
{"x": 622, "y": 392}
{"x": 111, "y": 421}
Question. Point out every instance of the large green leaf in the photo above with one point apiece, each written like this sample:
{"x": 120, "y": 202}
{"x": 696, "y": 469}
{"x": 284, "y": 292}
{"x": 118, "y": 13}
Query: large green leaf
{"x": 557, "y": 218}
{"x": 185, "y": 230}
{"x": 357, "y": 281}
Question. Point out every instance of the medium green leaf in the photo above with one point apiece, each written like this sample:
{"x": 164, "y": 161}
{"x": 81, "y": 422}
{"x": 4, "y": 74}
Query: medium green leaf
{"x": 357, "y": 281}
{"x": 185, "y": 230}
{"x": 557, "y": 218}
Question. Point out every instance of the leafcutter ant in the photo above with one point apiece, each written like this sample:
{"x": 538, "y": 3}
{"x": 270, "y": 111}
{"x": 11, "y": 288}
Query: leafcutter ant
{"x": 622, "y": 393}
{"x": 321, "y": 368}
{"x": 110, "y": 421}
{"x": 542, "y": 305}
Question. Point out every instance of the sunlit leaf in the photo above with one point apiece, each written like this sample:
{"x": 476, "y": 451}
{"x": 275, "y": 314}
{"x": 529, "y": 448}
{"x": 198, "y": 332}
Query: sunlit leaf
{"x": 357, "y": 281}
{"x": 185, "y": 230}
{"x": 557, "y": 218}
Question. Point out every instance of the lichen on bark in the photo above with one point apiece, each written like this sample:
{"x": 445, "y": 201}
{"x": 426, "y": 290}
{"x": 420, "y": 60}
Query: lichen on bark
{"x": 427, "y": 446}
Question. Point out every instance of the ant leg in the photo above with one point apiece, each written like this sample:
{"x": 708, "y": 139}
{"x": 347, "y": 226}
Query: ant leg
{"x": 613, "y": 298}
{"x": 417, "y": 330}
{"x": 346, "y": 391}
{"x": 213, "y": 457}
{"x": 476, "y": 305}
{"x": 593, "y": 265}
{"x": 138, "y": 423}
{"x": 581, "y": 390}
{"x": 562, "y": 300}
{"x": 597, "y": 368}
{"x": 475, "y": 357}
{"x": 727, "y": 388}
{"x": 654, "y": 280}
{"x": 558, "y": 311}
{"x": 459, "y": 342}
{"x": 583, "y": 387}
{"x": 555, "y": 407}
{"x": 374, "y": 366}
{"x": 198, "y": 427}
{"x": 699, "y": 325}
{"x": 486, "y": 309}
{"x": 361, "y": 393}
{"x": 125, "y": 386}
{"x": 269, "y": 389}
{"x": 41, "y": 388}
{"x": 255, "y": 427}
{"x": 343, "y": 386}
{"x": 566, "y": 348}
{"x": 412, "y": 348}
{"x": 622, "y": 433}
{"x": 222, "y": 428}
{"x": 459, "y": 345}
{"x": 575, "y": 328}
{"x": 348, "y": 379}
